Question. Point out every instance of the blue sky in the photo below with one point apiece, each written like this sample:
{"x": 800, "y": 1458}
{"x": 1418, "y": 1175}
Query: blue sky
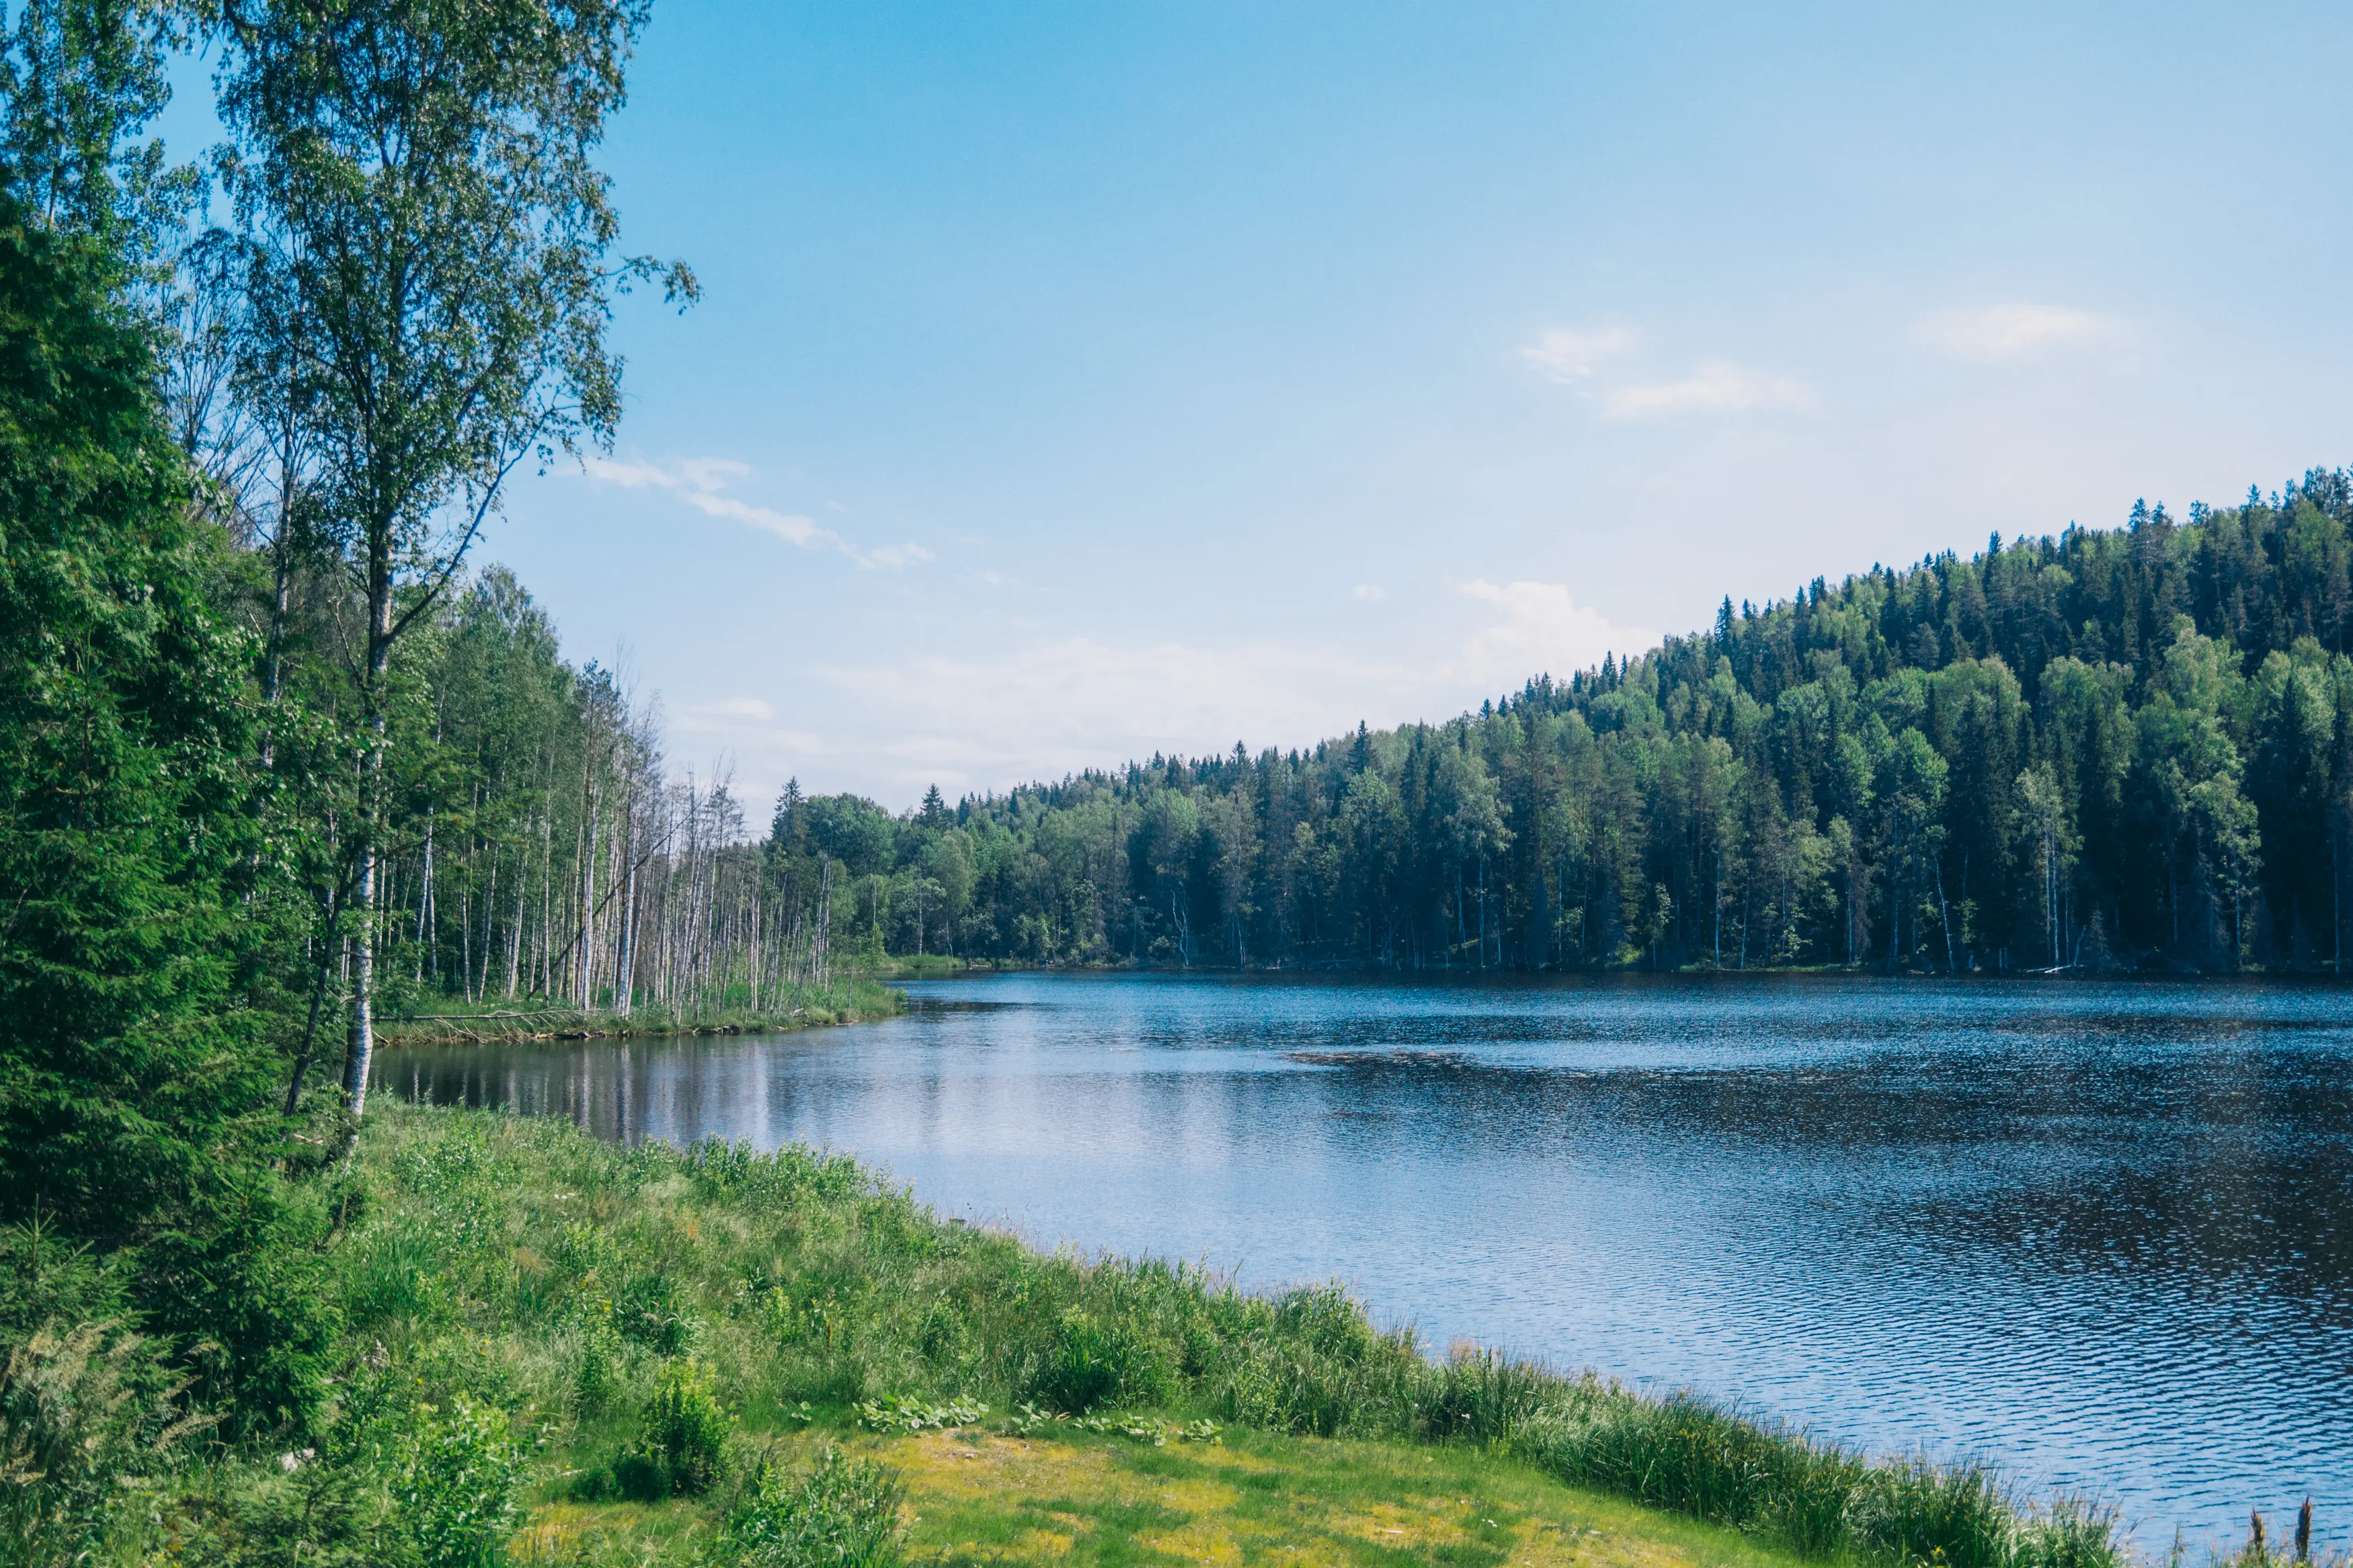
{"x": 1075, "y": 382}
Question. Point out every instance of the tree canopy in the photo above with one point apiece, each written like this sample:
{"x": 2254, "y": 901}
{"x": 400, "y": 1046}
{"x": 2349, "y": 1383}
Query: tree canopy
{"x": 2112, "y": 746}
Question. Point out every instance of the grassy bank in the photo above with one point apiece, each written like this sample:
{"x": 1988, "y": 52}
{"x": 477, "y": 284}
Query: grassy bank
{"x": 555, "y": 1350}
{"x": 856, "y": 999}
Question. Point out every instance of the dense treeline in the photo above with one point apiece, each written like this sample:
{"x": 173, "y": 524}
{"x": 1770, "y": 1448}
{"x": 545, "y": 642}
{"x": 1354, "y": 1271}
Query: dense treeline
{"x": 2127, "y": 746}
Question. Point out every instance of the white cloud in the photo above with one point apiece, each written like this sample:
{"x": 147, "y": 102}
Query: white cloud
{"x": 756, "y": 709}
{"x": 1583, "y": 359}
{"x": 1543, "y": 632}
{"x": 897, "y": 555}
{"x": 1569, "y": 356}
{"x": 1714, "y": 388}
{"x": 628, "y": 475}
{"x": 985, "y": 712}
{"x": 1370, "y": 593}
{"x": 1050, "y": 707}
{"x": 703, "y": 482}
{"x": 791, "y": 527}
{"x": 1998, "y": 333}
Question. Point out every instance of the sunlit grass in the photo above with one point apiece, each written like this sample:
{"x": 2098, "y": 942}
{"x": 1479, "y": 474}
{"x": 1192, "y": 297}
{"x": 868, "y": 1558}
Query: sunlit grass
{"x": 572, "y": 1279}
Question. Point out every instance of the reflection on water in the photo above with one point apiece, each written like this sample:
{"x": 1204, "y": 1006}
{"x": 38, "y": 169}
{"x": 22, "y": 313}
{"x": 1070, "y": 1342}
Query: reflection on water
{"x": 2100, "y": 1231}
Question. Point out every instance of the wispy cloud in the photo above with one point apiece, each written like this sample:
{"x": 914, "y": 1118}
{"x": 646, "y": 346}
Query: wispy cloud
{"x": 1569, "y": 356}
{"x": 1715, "y": 388}
{"x": 1542, "y": 631}
{"x": 1996, "y": 334}
{"x": 1588, "y": 359}
{"x": 702, "y": 483}
{"x": 985, "y": 712}
{"x": 1370, "y": 593}
{"x": 1045, "y": 707}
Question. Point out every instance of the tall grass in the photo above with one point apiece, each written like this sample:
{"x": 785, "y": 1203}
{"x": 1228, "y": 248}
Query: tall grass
{"x": 811, "y": 1285}
{"x": 645, "y": 1316}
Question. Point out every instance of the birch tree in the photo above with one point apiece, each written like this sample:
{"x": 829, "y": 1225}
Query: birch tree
{"x": 428, "y": 245}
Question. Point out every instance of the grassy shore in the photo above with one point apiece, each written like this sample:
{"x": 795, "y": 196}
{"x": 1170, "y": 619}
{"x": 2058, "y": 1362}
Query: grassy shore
{"x": 855, "y": 999}
{"x": 560, "y": 1351}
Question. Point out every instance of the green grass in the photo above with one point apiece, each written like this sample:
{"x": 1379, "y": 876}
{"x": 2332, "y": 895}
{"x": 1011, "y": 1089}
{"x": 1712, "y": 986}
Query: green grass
{"x": 444, "y": 1019}
{"x": 644, "y": 1356}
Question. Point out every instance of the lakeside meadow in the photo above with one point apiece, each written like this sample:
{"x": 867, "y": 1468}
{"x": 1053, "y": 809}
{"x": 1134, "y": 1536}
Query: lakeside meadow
{"x": 564, "y": 1350}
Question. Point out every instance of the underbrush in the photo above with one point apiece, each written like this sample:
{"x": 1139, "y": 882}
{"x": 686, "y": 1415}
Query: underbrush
{"x": 531, "y": 1318}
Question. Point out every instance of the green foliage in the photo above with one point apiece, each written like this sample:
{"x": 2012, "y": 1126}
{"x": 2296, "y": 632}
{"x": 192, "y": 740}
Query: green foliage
{"x": 647, "y": 1311}
{"x": 136, "y": 1074}
{"x": 819, "y": 1286}
{"x": 844, "y": 1513}
{"x": 898, "y": 1414}
{"x": 83, "y": 1415}
{"x": 686, "y": 1429}
{"x": 2109, "y": 747}
{"x": 1090, "y": 1361}
{"x": 457, "y": 1480}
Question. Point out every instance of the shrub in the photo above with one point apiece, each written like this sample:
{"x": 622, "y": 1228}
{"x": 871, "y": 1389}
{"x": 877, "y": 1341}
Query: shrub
{"x": 81, "y": 1413}
{"x": 594, "y": 1375}
{"x": 459, "y": 1474}
{"x": 843, "y": 1514}
{"x": 686, "y": 1430}
{"x": 941, "y": 1335}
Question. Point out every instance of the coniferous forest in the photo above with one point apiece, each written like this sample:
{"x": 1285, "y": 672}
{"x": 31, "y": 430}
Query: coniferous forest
{"x": 2109, "y": 748}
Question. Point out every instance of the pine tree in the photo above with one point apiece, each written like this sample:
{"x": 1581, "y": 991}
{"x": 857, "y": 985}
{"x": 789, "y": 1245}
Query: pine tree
{"x": 135, "y": 1084}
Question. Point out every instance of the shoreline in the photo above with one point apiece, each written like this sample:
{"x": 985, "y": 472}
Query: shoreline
{"x": 858, "y": 1000}
{"x": 801, "y": 1304}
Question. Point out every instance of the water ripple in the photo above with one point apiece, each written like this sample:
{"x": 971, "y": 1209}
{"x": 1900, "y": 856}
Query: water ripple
{"x": 2103, "y": 1232}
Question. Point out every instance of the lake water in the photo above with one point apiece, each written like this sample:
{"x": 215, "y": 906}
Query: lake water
{"x": 2102, "y": 1233}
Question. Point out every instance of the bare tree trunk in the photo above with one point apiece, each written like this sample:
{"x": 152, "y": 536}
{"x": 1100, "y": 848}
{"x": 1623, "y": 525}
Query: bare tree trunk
{"x": 625, "y": 960}
{"x": 1945, "y": 915}
{"x": 361, "y": 1053}
{"x": 588, "y": 885}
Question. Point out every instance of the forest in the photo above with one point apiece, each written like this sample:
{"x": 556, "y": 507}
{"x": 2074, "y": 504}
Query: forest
{"x": 2103, "y": 749}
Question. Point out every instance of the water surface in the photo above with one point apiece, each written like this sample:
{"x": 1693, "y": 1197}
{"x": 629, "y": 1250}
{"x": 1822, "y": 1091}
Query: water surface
{"x": 2102, "y": 1232}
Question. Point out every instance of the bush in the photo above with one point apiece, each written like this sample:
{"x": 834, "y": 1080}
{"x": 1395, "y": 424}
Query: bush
{"x": 843, "y": 1514}
{"x": 647, "y": 1311}
{"x": 459, "y": 1477}
{"x": 686, "y": 1430}
{"x": 595, "y": 1372}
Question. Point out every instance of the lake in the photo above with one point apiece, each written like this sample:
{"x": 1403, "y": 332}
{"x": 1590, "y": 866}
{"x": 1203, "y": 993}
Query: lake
{"x": 2100, "y": 1232}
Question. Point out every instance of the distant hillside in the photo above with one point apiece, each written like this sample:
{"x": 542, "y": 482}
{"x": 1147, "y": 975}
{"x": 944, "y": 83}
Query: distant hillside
{"x": 2126, "y": 746}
